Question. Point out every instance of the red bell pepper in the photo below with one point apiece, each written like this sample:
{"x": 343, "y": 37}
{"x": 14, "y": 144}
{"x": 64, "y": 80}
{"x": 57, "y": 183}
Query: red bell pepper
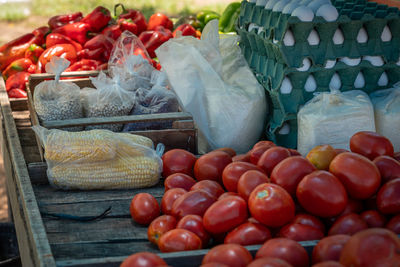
{"x": 98, "y": 18}
{"x": 66, "y": 51}
{"x": 40, "y": 34}
{"x": 84, "y": 65}
{"x": 153, "y": 39}
{"x": 128, "y": 25}
{"x": 22, "y": 64}
{"x": 102, "y": 42}
{"x": 131, "y": 17}
{"x": 112, "y": 31}
{"x": 159, "y": 19}
{"x": 96, "y": 54}
{"x": 103, "y": 66}
{"x": 56, "y": 38}
{"x": 186, "y": 29}
{"x": 33, "y": 52}
{"x": 17, "y": 81}
{"x": 17, "y": 93}
{"x": 61, "y": 20}
{"x": 78, "y": 31}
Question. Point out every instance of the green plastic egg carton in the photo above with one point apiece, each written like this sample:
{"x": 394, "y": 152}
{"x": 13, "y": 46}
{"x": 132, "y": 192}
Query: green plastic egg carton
{"x": 353, "y": 15}
{"x": 282, "y": 129}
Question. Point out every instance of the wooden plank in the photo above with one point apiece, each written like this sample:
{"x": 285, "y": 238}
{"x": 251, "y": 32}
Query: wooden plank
{"x": 31, "y": 154}
{"x": 18, "y": 104}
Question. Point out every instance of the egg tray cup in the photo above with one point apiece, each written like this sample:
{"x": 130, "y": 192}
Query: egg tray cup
{"x": 370, "y": 15}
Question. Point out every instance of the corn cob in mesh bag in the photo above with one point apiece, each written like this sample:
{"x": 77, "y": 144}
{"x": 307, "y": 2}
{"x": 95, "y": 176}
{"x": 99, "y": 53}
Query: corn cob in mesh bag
{"x": 99, "y": 159}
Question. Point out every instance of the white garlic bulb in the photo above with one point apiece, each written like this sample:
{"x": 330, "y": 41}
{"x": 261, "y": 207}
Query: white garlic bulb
{"x": 311, "y": 84}
{"x": 286, "y": 86}
{"x": 359, "y": 81}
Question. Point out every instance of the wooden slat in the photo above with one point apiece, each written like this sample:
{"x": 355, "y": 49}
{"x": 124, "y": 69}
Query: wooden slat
{"x": 19, "y": 104}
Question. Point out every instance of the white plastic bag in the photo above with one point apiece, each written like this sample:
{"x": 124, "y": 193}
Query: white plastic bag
{"x": 387, "y": 114}
{"x": 332, "y": 118}
{"x": 214, "y": 83}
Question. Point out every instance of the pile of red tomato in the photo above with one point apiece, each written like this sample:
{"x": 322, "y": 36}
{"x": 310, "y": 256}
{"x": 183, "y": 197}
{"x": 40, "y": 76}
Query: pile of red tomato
{"x": 274, "y": 196}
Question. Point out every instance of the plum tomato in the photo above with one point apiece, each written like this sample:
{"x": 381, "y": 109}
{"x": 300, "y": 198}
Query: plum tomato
{"x": 388, "y": 198}
{"x": 388, "y": 167}
{"x": 269, "y": 262}
{"x": 371, "y": 145}
{"x": 257, "y": 151}
{"x": 209, "y": 186}
{"x": 300, "y": 232}
{"x": 169, "y": 198}
{"x": 214, "y": 264}
{"x": 321, "y": 156}
{"x": 250, "y": 180}
{"x": 242, "y": 158}
{"x": 193, "y": 202}
{"x": 294, "y": 152}
{"x": 210, "y": 166}
{"x": 232, "y": 255}
{"x": 270, "y": 158}
{"x": 144, "y": 208}
{"x": 232, "y": 173}
{"x": 143, "y": 259}
{"x": 230, "y": 151}
{"x": 396, "y": 156}
{"x": 248, "y": 234}
{"x": 179, "y": 240}
{"x": 340, "y": 150}
{"x": 178, "y": 180}
{"x": 371, "y": 247}
{"x": 263, "y": 143}
{"x": 307, "y": 219}
{"x": 289, "y": 172}
{"x": 225, "y": 214}
{"x": 271, "y": 205}
{"x": 160, "y": 226}
{"x": 394, "y": 224}
{"x": 328, "y": 264}
{"x": 285, "y": 249}
{"x": 348, "y": 225}
{"x": 178, "y": 160}
{"x": 373, "y": 218}
{"x": 227, "y": 194}
{"x": 358, "y": 174}
{"x": 329, "y": 248}
{"x": 322, "y": 194}
{"x": 194, "y": 223}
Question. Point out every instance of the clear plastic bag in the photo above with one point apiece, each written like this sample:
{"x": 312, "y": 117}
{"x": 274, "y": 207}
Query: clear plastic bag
{"x": 214, "y": 83}
{"x": 99, "y": 159}
{"x": 54, "y": 100}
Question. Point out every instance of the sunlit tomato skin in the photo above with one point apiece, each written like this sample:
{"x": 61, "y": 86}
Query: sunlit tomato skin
{"x": 373, "y": 218}
{"x": 307, "y": 219}
{"x": 160, "y": 226}
{"x": 144, "y": 208}
{"x": 228, "y": 194}
{"x": 179, "y": 240}
{"x": 257, "y": 151}
{"x": 143, "y": 259}
{"x": 179, "y": 180}
{"x": 232, "y": 255}
{"x": 371, "y": 145}
{"x": 169, "y": 198}
{"x": 211, "y": 165}
{"x": 242, "y": 158}
{"x": 300, "y": 232}
{"x": 388, "y": 198}
{"x": 285, "y": 249}
{"x": 348, "y": 225}
{"x": 209, "y": 186}
{"x": 271, "y": 205}
{"x": 394, "y": 224}
{"x": 328, "y": 264}
{"x": 193, "y": 202}
{"x": 263, "y": 143}
{"x": 224, "y": 215}
{"x": 322, "y": 194}
{"x": 232, "y": 173}
{"x": 372, "y": 247}
{"x": 194, "y": 223}
{"x": 290, "y": 171}
{"x": 329, "y": 248}
{"x": 248, "y": 234}
{"x": 321, "y": 156}
{"x": 269, "y": 262}
{"x": 358, "y": 174}
{"x": 250, "y": 180}
{"x": 271, "y": 157}
{"x": 230, "y": 151}
{"x": 388, "y": 167}
{"x": 178, "y": 160}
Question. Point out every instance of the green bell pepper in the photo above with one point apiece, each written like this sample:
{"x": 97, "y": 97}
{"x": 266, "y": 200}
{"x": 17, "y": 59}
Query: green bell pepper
{"x": 229, "y": 16}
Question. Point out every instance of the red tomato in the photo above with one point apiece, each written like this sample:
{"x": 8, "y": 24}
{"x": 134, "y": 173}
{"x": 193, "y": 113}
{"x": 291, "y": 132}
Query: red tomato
{"x": 225, "y": 214}
{"x": 214, "y": 264}
{"x": 394, "y": 224}
{"x": 359, "y": 175}
{"x": 373, "y": 218}
{"x": 250, "y": 180}
{"x": 143, "y": 259}
{"x": 388, "y": 167}
{"x": 285, "y": 249}
{"x": 263, "y": 143}
{"x": 328, "y": 264}
{"x": 194, "y": 223}
{"x": 159, "y": 19}
{"x": 160, "y": 226}
{"x": 258, "y": 150}
{"x": 169, "y": 198}
{"x": 300, "y": 232}
{"x": 232, "y": 173}
{"x": 307, "y": 219}
{"x": 388, "y": 198}
{"x": 372, "y": 247}
{"x": 329, "y": 248}
{"x": 371, "y": 145}
{"x": 232, "y": 255}
{"x": 294, "y": 152}
{"x": 248, "y": 234}
{"x": 396, "y": 156}
{"x": 270, "y": 158}
{"x": 230, "y": 151}
{"x": 211, "y": 165}
{"x": 242, "y": 158}
{"x": 178, "y": 160}
{"x": 348, "y": 225}
{"x": 271, "y": 205}
{"x": 179, "y": 240}
{"x": 353, "y": 206}
{"x": 340, "y": 151}
{"x": 269, "y": 262}
{"x": 211, "y": 187}
{"x": 144, "y": 208}
{"x": 193, "y": 202}
{"x": 179, "y": 180}
{"x": 290, "y": 171}
{"x": 228, "y": 194}
{"x": 322, "y": 194}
